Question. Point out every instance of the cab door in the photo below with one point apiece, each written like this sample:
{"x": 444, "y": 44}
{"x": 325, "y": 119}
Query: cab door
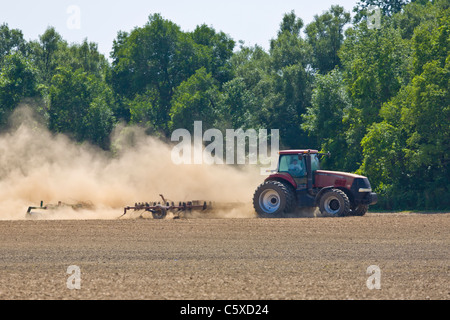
{"x": 296, "y": 167}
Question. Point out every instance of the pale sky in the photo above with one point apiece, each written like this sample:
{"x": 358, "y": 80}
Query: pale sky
{"x": 253, "y": 21}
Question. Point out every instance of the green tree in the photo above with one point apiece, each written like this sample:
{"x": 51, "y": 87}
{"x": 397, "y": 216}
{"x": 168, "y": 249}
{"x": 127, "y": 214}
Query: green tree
{"x": 413, "y": 15}
{"x": 152, "y": 58}
{"x": 388, "y": 7}
{"x": 196, "y": 99}
{"x": 147, "y": 58}
{"x": 45, "y": 54}
{"x": 324, "y": 118}
{"x": 325, "y": 35}
{"x": 408, "y": 153}
{"x": 289, "y": 48}
{"x": 291, "y": 82}
{"x": 246, "y": 98}
{"x": 79, "y": 107}
{"x": 142, "y": 110}
{"x": 157, "y": 58}
{"x": 17, "y": 81}
{"x": 11, "y": 41}
{"x": 239, "y": 106}
{"x": 376, "y": 65}
{"x": 213, "y": 52}
{"x": 85, "y": 56}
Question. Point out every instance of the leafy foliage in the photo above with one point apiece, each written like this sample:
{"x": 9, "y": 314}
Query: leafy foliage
{"x": 326, "y": 35}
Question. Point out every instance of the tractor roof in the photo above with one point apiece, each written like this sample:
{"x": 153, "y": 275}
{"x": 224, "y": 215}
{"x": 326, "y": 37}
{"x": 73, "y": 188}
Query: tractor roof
{"x": 298, "y": 152}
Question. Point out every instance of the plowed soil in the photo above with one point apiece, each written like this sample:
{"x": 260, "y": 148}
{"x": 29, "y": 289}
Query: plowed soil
{"x": 237, "y": 259}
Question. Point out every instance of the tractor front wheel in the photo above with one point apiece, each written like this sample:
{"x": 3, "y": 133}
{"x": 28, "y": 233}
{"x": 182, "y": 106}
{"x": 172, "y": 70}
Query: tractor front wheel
{"x": 335, "y": 203}
{"x": 273, "y": 198}
{"x": 360, "y": 210}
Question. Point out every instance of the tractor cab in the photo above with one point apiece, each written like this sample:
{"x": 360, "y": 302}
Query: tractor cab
{"x": 296, "y": 163}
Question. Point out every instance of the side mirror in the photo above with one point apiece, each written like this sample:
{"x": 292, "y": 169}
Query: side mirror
{"x": 328, "y": 154}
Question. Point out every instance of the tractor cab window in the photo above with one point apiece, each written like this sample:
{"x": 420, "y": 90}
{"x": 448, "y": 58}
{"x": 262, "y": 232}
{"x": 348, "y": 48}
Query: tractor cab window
{"x": 315, "y": 163}
{"x": 293, "y": 165}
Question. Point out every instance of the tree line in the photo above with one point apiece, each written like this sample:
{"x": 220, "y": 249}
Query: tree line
{"x": 376, "y": 98}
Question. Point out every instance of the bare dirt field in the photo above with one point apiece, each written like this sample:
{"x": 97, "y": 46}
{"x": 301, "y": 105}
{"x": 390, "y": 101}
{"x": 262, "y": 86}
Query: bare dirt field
{"x": 228, "y": 259}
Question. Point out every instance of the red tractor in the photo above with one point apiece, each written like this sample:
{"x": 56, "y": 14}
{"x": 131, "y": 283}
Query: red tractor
{"x": 299, "y": 183}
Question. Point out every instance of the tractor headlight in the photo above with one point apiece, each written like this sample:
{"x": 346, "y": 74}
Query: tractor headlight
{"x": 362, "y": 190}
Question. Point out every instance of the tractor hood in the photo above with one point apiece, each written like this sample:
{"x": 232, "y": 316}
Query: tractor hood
{"x": 338, "y": 174}
{"x": 324, "y": 179}
{"x": 336, "y": 178}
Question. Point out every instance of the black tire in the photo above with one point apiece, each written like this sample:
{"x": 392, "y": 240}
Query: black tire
{"x": 334, "y": 203}
{"x": 272, "y": 199}
{"x": 360, "y": 210}
{"x": 160, "y": 214}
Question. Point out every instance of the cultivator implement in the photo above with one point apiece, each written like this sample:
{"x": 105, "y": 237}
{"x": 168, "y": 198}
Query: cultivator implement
{"x": 157, "y": 210}
{"x": 160, "y": 210}
{"x": 34, "y": 212}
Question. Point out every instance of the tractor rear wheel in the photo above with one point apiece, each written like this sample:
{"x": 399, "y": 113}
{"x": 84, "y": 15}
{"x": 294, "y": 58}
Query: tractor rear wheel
{"x": 334, "y": 203}
{"x": 273, "y": 198}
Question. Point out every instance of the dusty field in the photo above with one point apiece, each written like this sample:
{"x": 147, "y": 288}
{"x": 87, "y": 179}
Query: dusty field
{"x": 237, "y": 259}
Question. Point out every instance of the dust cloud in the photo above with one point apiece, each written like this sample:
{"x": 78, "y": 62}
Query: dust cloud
{"x": 36, "y": 165}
